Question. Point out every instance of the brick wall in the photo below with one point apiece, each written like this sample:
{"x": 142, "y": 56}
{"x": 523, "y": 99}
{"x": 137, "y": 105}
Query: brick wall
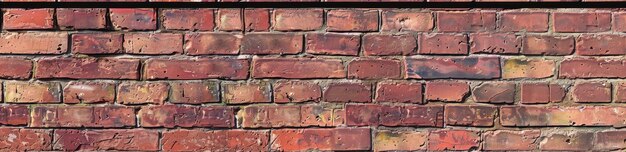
{"x": 302, "y": 79}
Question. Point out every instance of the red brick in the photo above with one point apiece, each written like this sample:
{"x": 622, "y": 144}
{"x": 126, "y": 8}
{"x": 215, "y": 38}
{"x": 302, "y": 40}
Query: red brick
{"x": 567, "y": 141}
{"x": 619, "y": 21}
{"x": 352, "y": 20}
{"x": 194, "y": 92}
{"x": 215, "y": 140}
{"x": 19, "y": 19}
{"x": 447, "y": 91}
{"x": 592, "y": 92}
{"x": 297, "y": 68}
{"x": 31, "y": 92}
{"x": 371, "y": 68}
{"x": 97, "y": 43}
{"x": 133, "y": 18}
{"x": 17, "y": 139}
{"x": 257, "y": 19}
{"x": 495, "y": 43}
{"x": 620, "y": 92}
{"x": 470, "y": 115}
{"x": 251, "y": 92}
{"x": 89, "y": 92}
{"x": 466, "y": 21}
{"x": 588, "y": 44}
{"x": 81, "y": 18}
{"x": 610, "y": 140}
{"x": 524, "y": 21}
{"x": 532, "y": 93}
{"x": 442, "y": 140}
{"x": 22, "y": 43}
{"x": 153, "y": 43}
{"x": 333, "y": 44}
{"x": 290, "y": 116}
{"x": 388, "y": 115}
{"x": 87, "y": 68}
{"x": 581, "y": 22}
{"x": 548, "y": 45}
{"x": 401, "y": 140}
{"x": 298, "y": 19}
{"x": 439, "y": 44}
{"x": 348, "y": 92}
{"x": 171, "y": 116}
{"x": 514, "y": 68}
{"x": 562, "y": 116}
{"x": 296, "y": 91}
{"x": 592, "y": 68}
{"x": 188, "y": 19}
{"x": 14, "y": 115}
{"x": 15, "y": 68}
{"x": 407, "y": 21}
{"x": 453, "y": 67}
{"x": 229, "y": 20}
{"x": 399, "y": 92}
{"x": 212, "y": 43}
{"x": 389, "y": 44}
{"x": 272, "y": 43}
{"x": 202, "y": 68}
{"x": 142, "y": 93}
{"x": 106, "y": 140}
{"x": 339, "y": 139}
{"x": 507, "y": 140}
{"x": 83, "y": 116}
{"x": 495, "y": 92}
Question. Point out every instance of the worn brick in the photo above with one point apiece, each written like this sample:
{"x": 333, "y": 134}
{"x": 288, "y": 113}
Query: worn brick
{"x": 389, "y": 44}
{"x": 524, "y": 21}
{"x": 153, "y": 43}
{"x": 534, "y": 93}
{"x": 298, "y": 19}
{"x": 297, "y": 68}
{"x": 619, "y": 21}
{"x": 212, "y": 43}
{"x": 241, "y": 93}
{"x": 388, "y": 140}
{"x": 620, "y": 92}
{"x": 339, "y": 139}
{"x": 407, "y": 21}
{"x": 201, "y": 68}
{"x": 495, "y": 43}
{"x": 83, "y": 116}
{"x": 296, "y": 91}
{"x": 31, "y": 92}
{"x": 87, "y": 68}
{"x": 142, "y": 93}
{"x": 371, "y": 68}
{"x": 194, "y": 92}
{"x": 588, "y": 44}
{"x": 570, "y": 141}
{"x": 352, "y": 20}
{"x": 22, "y": 43}
{"x": 592, "y": 68}
{"x": 592, "y": 92}
{"x": 272, "y": 43}
{"x": 547, "y": 45}
{"x": 89, "y": 92}
{"x": 470, "y": 115}
{"x": 257, "y": 19}
{"x": 14, "y": 115}
{"x": 215, "y": 140}
{"x": 107, "y": 140}
{"x": 495, "y": 92}
{"x": 442, "y": 44}
{"x": 290, "y": 116}
{"x": 399, "y": 92}
{"x": 333, "y": 44}
{"x": 466, "y": 21}
{"x": 581, "y": 22}
{"x": 81, "y": 18}
{"x": 562, "y": 116}
{"x": 17, "y": 139}
{"x": 133, "y": 18}
{"x": 453, "y": 67}
{"x": 388, "y": 115}
{"x": 171, "y": 116}
{"x": 610, "y": 140}
{"x": 97, "y": 43}
{"x": 27, "y": 19}
{"x": 188, "y": 19}
{"x": 348, "y": 92}
{"x": 15, "y": 68}
{"x": 446, "y": 91}
{"x": 506, "y": 140}
{"x": 514, "y": 68}
{"x": 442, "y": 140}
{"x": 229, "y": 20}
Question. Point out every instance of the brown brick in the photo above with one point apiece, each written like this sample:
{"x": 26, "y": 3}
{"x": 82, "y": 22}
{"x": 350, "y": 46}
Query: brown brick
{"x": 188, "y": 19}
{"x": 17, "y": 139}
{"x": 297, "y": 68}
{"x": 581, "y": 22}
{"x": 495, "y": 43}
{"x": 14, "y": 115}
{"x": 372, "y": 68}
{"x": 81, "y": 18}
{"x": 532, "y": 93}
{"x": 229, "y": 20}
{"x": 524, "y": 21}
{"x": 89, "y": 92}
{"x": 339, "y": 139}
{"x": 592, "y": 92}
{"x": 495, "y": 92}
{"x": 87, "y": 68}
{"x": 15, "y": 68}
{"x": 388, "y": 140}
{"x": 505, "y": 140}
{"x": 142, "y": 93}
{"x": 440, "y": 44}
{"x": 97, "y": 43}
{"x": 348, "y": 92}
{"x": 153, "y": 43}
{"x": 133, "y": 18}
{"x": 22, "y": 43}
{"x": 114, "y": 139}
{"x": 399, "y": 92}
{"x": 592, "y": 68}
{"x": 290, "y": 116}
{"x": 171, "y": 116}
{"x": 296, "y": 91}
{"x": 271, "y": 43}
{"x": 447, "y": 91}
{"x": 241, "y": 93}
{"x": 202, "y": 68}
{"x": 610, "y": 140}
{"x": 562, "y": 116}
{"x": 389, "y": 44}
{"x": 333, "y": 44}
{"x": 83, "y": 116}
{"x": 31, "y": 92}
{"x": 22, "y": 19}
{"x": 466, "y": 21}
{"x": 442, "y": 140}
{"x": 257, "y": 19}
{"x": 194, "y": 92}
{"x": 470, "y": 115}
{"x": 298, "y": 19}
{"x": 588, "y": 44}
{"x": 212, "y": 43}
{"x": 453, "y": 67}
{"x": 214, "y": 140}
{"x": 573, "y": 141}
{"x": 407, "y": 21}
{"x": 548, "y": 45}
{"x": 514, "y": 68}
{"x": 352, "y": 20}
{"x": 388, "y": 115}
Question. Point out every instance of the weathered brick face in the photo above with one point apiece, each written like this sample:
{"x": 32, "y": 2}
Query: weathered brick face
{"x": 312, "y": 79}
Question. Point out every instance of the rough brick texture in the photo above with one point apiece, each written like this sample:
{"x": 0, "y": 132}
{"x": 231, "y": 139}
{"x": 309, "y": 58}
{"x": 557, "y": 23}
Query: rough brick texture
{"x": 312, "y": 79}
